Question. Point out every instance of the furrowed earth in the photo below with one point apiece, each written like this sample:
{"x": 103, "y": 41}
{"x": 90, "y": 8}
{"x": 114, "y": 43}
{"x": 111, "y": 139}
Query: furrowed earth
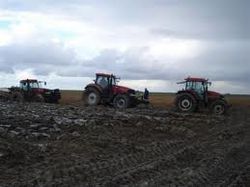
{"x": 63, "y": 145}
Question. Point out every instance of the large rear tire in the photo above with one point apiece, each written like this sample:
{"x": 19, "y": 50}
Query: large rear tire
{"x": 92, "y": 97}
{"x": 218, "y": 107}
{"x": 185, "y": 102}
{"x": 121, "y": 101}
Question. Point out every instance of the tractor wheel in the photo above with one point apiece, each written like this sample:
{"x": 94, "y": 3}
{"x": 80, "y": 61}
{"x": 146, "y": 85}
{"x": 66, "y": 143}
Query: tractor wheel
{"x": 39, "y": 98}
{"x": 185, "y": 103}
{"x": 17, "y": 96}
{"x": 92, "y": 97}
{"x": 218, "y": 107}
{"x": 121, "y": 101}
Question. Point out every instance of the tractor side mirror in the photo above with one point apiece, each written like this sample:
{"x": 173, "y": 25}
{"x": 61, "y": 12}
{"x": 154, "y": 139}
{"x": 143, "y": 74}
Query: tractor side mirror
{"x": 117, "y": 79}
{"x": 45, "y": 83}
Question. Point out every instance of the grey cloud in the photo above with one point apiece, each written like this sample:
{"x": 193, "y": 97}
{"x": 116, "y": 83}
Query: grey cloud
{"x": 214, "y": 19}
{"x": 35, "y": 55}
{"x": 131, "y": 65}
{"x": 226, "y": 61}
{"x": 222, "y": 26}
{"x": 44, "y": 58}
{"x": 222, "y": 61}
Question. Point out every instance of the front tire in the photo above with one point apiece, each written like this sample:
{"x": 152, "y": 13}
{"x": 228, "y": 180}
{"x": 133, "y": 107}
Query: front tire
{"x": 92, "y": 98}
{"x": 185, "y": 103}
{"x": 121, "y": 101}
{"x": 219, "y": 107}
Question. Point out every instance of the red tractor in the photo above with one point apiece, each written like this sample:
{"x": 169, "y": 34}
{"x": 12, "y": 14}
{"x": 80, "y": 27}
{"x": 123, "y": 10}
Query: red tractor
{"x": 105, "y": 90}
{"x": 196, "y": 95}
{"x": 30, "y": 90}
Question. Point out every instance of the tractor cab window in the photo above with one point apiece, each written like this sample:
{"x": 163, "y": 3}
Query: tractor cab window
{"x": 189, "y": 85}
{"x": 34, "y": 85}
{"x": 102, "y": 81}
{"x": 24, "y": 86}
{"x": 113, "y": 81}
{"x": 200, "y": 87}
{"x": 197, "y": 86}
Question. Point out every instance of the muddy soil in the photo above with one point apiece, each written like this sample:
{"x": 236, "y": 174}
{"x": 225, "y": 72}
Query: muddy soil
{"x": 51, "y": 145}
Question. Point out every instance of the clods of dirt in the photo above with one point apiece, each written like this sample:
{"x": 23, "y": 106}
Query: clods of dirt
{"x": 53, "y": 145}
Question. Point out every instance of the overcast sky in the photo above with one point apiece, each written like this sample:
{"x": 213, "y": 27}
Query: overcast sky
{"x": 148, "y": 43}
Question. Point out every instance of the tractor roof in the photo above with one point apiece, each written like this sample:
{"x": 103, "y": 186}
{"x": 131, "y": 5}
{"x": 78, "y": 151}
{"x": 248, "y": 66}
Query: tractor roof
{"x": 195, "y": 79}
{"x": 104, "y": 74}
{"x": 28, "y": 80}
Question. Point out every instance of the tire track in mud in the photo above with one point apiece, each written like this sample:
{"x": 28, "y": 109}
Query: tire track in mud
{"x": 104, "y": 170}
{"x": 114, "y": 165}
{"x": 242, "y": 179}
{"x": 135, "y": 148}
{"x": 146, "y": 171}
{"x": 231, "y": 155}
{"x": 208, "y": 174}
{"x": 239, "y": 152}
{"x": 134, "y": 164}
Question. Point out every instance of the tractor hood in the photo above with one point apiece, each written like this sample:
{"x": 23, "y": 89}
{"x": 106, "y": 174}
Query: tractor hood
{"x": 44, "y": 90}
{"x": 213, "y": 94}
{"x": 39, "y": 90}
{"x": 122, "y": 89}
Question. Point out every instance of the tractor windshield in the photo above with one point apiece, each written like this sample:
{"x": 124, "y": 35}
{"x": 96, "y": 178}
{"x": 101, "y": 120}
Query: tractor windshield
{"x": 197, "y": 86}
{"x": 26, "y": 86}
{"x": 102, "y": 81}
{"x": 34, "y": 85}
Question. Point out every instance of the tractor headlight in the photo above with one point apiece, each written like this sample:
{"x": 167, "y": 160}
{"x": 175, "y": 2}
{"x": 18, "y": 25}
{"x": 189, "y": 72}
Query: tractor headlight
{"x": 131, "y": 92}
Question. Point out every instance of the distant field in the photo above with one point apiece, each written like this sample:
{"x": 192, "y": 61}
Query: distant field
{"x": 156, "y": 99}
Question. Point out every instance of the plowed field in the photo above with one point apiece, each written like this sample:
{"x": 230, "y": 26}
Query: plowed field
{"x": 53, "y": 145}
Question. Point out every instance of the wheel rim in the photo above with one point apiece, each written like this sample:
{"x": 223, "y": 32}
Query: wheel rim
{"x": 218, "y": 109}
{"x": 121, "y": 103}
{"x": 185, "y": 104}
{"x": 92, "y": 97}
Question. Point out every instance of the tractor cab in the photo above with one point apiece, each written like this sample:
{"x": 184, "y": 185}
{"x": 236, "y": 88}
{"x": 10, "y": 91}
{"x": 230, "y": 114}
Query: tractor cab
{"x": 197, "y": 86}
{"x": 29, "y": 84}
{"x": 32, "y": 86}
{"x": 108, "y": 85}
{"x": 105, "y": 80}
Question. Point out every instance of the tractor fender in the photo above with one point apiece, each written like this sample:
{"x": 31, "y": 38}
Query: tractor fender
{"x": 193, "y": 93}
{"x": 93, "y": 87}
